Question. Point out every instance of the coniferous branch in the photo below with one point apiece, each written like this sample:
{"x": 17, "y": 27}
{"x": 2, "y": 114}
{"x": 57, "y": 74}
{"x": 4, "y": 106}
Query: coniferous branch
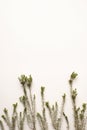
{"x": 53, "y": 111}
{"x": 32, "y": 102}
{"x": 11, "y": 123}
{"x": 6, "y": 118}
{"x": 73, "y": 93}
{"x": 62, "y": 110}
{"x": 79, "y": 114}
{"x": 14, "y": 116}
{"x": 82, "y": 117}
{"x": 28, "y": 101}
{"x": 21, "y": 120}
{"x": 42, "y": 117}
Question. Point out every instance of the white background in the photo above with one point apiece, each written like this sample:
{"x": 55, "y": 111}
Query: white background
{"x": 47, "y": 39}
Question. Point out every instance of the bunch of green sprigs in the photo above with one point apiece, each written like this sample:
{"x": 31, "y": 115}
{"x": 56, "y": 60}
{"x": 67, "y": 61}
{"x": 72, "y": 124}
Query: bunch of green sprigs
{"x": 17, "y": 120}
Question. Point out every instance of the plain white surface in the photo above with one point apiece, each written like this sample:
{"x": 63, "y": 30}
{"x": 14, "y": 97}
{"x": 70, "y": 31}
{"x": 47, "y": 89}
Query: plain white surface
{"x": 47, "y": 39}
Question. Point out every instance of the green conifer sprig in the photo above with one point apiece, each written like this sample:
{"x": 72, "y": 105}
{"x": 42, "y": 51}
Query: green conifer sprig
{"x": 53, "y": 112}
{"x": 42, "y": 117}
{"x": 10, "y": 120}
{"x": 28, "y": 101}
{"x": 80, "y": 117}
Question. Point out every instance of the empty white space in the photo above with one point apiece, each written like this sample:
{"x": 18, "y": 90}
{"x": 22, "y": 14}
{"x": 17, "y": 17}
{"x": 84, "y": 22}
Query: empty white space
{"x": 47, "y": 39}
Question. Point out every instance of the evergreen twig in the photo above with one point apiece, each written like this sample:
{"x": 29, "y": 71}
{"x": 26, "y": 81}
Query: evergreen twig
{"x": 53, "y": 111}
{"x": 42, "y": 118}
{"x": 80, "y": 118}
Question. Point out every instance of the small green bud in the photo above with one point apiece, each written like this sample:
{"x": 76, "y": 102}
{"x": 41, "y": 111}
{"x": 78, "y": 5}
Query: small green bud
{"x": 22, "y": 99}
{"x": 70, "y": 81}
{"x": 22, "y": 79}
{"x": 3, "y": 117}
{"x": 15, "y": 106}
{"x": 5, "y": 111}
{"x": 42, "y": 90}
{"x": 38, "y": 115}
{"x": 73, "y": 75}
{"x": 84, "y": 106}
{"x": 77, "y": 111}
{"x": 74, "y": 94}
{"x": 29, "y": 81}
{"x": 47, "y": 104}
{"x": 64, "y": 96}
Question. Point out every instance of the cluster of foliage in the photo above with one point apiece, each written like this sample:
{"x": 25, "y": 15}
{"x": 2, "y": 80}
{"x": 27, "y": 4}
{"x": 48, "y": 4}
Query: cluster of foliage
{"x": 29, "y": 115}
